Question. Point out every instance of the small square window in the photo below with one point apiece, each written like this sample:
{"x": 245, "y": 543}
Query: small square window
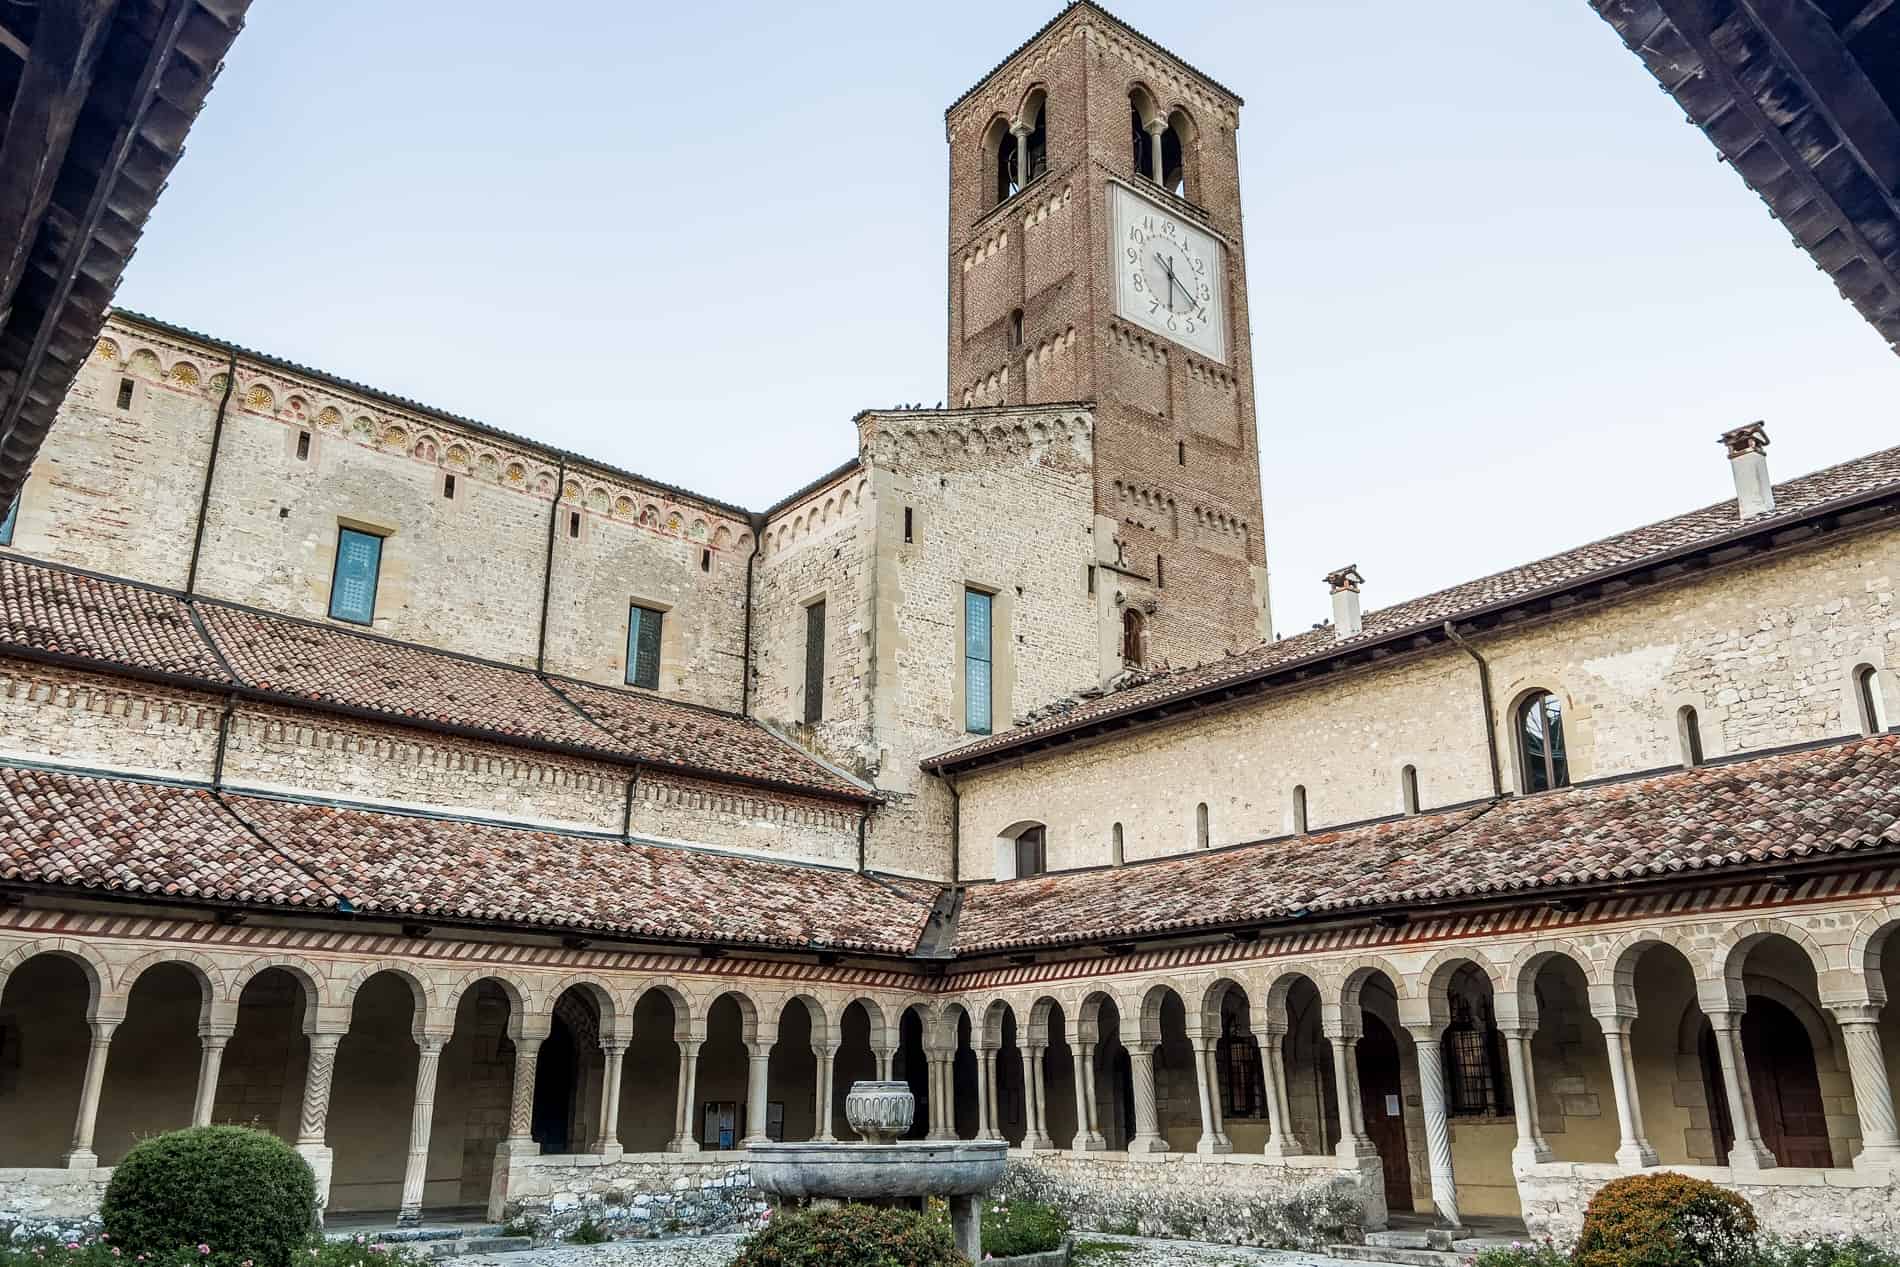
{"x": 643, "y": 646}
{"x": 359, "y": 561}
{"x": 125, "y": 393}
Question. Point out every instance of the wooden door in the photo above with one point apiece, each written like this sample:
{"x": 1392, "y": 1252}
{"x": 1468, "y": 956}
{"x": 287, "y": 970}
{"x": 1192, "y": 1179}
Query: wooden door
{"x": 1786, "y": 1086}
{"x": 1384, "y": 1109}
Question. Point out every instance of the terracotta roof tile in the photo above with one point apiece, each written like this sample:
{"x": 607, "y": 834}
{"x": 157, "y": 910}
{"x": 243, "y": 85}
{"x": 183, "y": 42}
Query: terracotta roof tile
{"x": 1788, "y": 805}
{"x": 1793, "y": 500}
{"x": 147, "y": 838}
{"x": 91, "y": 618}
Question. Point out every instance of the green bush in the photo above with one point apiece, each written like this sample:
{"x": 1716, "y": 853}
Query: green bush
{"x": 1831, "y": 1251}
{"x": 238, "y": 1193}
{"x": 1542, "y": 1253}
{"x": 849, "y": 1236}
{"x": 1022, "y": 1227}
{"x": 1666, "y": 1220}
{"x": 99, "y": 1251}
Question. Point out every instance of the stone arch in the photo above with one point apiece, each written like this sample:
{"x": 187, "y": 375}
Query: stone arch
{"x": 1211, "y": 1000}
{"x": 1353, "y": 975}
{"x": 315, "y": 984}
{"x": 748, "y": 1012}
{"x": 1864, "y": 950}
{"x": 605, "y": 999}
{"x": 1281, "y": 984}
{"x": 684, "y": 1014}
{"x": 209, "y": 975}
{"x": 521, "y": 996}
{"x": 993, "y": 1013}
{"x": 1430, "y": 984}
{"x": 94, "y": 968}
{"x": 419, "y": 989}
{"x": 821, "y": 1024}
{"x": 1730, "y": 952}
{"x": 1144, "y": 102}
{"x": 1518, "y": 984}
{"x": 1617, "y": 969}
{"x": 883, "y": 1027}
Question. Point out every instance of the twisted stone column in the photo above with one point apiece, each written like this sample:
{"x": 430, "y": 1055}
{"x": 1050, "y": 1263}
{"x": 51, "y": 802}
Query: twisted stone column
{"x": 683, "y": 1141}
{"x": 1211, "y": 1141}
{"x": 1036, "y": 1093}
{"x": 1147, "y": 1123}
{"x": 314, "y": 1113}
{"x": 1431, "y": 1085}
{"x": 824, "y": 1092}
{"x": 1634, "y": 1151}
{"x": 1088, "y": 1135}
{"x": 416, "y": 1172}
{"x": 210, "y": 1059}
{"x": 1873, "y": 1096}
{"x": 608, "y": 1136}
{"x": 1749, "y": 1152}
{"x": 759, "y": 1059}
{"x": 1282, "y": 1141}
{"x": 80, "y": 1156}
{"x": 521, "y": 1096}
{"x": 1531, "y": 1147}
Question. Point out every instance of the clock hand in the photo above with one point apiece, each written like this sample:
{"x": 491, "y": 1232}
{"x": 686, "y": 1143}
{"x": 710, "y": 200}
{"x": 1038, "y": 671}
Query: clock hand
{"x": 1168, "y": 267}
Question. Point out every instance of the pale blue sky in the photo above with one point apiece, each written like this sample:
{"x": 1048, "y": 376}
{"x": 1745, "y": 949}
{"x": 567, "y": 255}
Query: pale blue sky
{"x": 1504, "y": 297}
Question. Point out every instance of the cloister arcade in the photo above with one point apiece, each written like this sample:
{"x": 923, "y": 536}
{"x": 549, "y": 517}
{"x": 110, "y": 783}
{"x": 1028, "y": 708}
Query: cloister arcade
{"x": 1443, "y": 1079}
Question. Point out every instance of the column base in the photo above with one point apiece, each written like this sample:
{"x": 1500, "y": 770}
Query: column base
{"x": 682, "y": 1146}
{"x": 1879, "y": 1158}
{"x": 612, "y": 1152}
{"x": 409, "y": 1216}
{"x": 1147, "y": 1144}
{"x": 1214, "y": 1147}
{"x": 1747, "y": 1155}
{"x": 750, "y": 1140}
{"x": 1353, "y": 1150}
{"x": 1531, "y": 1155}
{"x": 1635, "y": 1156}
{"x": 1278, "y": 1149}
{"x": 1097, "y": 1145}
{"x": 80, "y": 1159}
{"x": 1039, "y": 1144}
{"x": 321, "y": 1160}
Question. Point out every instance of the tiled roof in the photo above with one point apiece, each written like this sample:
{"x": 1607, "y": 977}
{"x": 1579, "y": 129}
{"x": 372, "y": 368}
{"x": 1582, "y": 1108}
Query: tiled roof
{"x": 121, "y": 626}
{"x": 122, "y": 836}
{"x": 1794, "y": 500}
{"x": 1791, "y": 805}
{"x": 88, "y": 618}
{"x": 73, "y": 830}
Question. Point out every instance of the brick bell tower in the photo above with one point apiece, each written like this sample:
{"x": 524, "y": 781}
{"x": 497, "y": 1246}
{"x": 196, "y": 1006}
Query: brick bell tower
{"x": 1095, "y": 254}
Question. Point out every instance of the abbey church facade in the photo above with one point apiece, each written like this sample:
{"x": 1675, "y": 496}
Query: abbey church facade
{"x": 506, "y": 829}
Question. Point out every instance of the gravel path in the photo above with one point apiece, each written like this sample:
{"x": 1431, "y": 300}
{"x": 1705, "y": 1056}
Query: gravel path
{"x": 717, "y": 1251}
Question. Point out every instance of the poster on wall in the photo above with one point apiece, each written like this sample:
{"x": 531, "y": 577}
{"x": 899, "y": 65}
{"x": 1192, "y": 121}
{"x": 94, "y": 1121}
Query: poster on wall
{"x": 775, "y": 1121}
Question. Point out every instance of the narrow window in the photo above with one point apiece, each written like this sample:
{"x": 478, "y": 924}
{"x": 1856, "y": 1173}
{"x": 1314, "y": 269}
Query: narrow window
{"x": 1160, "y": 580}
{"x": 1540, "y": 739}
{"x": 1038, "y": 147}
{"x": 1115, "y": 846}
{"x": 1032, "y": 852}
{"x": 1089, "y": 574}
{"x": 1180, "y": 452}
{"x": 1144, "y": 143}
{"x": 1016, "y": 329}
{"x": 815, "y": 662}
{"x": 359, "y": 560}
{"x": 907, "y": 526}
{"x": 1408, "y": 788}
{"x": 125, "y": 393}
{"x": 303, "y": 446}
{"x": 1299, "y": 810}
{"x": 643, "y": 646}
{"x": 1690, "y": 732}
{"x": 448, "y": 487}
{"x": 1131, "y": 636}
{"x": 976, "y": 662}
{"x": 1867, "y": 694}
{"x": 705, "y": 558}
{"x": 6, "y": 524}
{"x": 1200, "y": 825}
{"x": 574, "y": 523}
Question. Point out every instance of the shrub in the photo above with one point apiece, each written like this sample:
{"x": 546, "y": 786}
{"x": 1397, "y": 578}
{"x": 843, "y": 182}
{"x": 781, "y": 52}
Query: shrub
{"x": 1666, "y": 1220}
{"x": 1542, "y": 1253}
{"x": 1022, "y": 1227}
{"x": 1830, "y": 1251}
{"x": 589, "y": 1232}
{"x": 849, "y": 1236}
{"x": 245, "y": 1194}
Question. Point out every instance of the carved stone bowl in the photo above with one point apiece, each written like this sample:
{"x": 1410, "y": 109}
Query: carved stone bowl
{"x": 880, "y": 1111}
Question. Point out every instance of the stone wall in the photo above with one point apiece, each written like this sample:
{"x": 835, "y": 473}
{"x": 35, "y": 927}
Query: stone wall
{"x": 51, "y": 1202}
{"x": 638, "y": 1194}
{"x": 1789, "y": 1203}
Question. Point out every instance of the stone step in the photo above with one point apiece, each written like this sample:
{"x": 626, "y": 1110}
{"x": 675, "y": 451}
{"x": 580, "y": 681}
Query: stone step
{"x": 1404, "y": 1255}
{"x": 1411, "y": 1238}
{"x": 493, "y": 1244}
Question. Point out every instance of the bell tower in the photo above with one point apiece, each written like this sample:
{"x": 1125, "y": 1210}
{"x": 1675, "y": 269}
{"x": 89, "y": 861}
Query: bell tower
{"x": 1096, "y": 254}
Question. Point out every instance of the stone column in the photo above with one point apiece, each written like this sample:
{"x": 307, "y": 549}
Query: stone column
{"x": 988, "y": 1118}
{"x": 759, "y": 1057}
{"x": 1749, "y": 1152}
{"x": 937, "y": 1078}
{"x": 1147, "y": 1139}
{"x": 1281, "y": 1140}
{"x": 884, "y": 1056}
{"x": 416, "y": 1173}
{"x": 212, "y": 1040}
{"x": 1531, "y": 1147}
{"x": 1211, "y": 1141}
{"x": 822, "y": 1105}
{"x": 1634, "y": 1152}
{"x": 1431, "y": 1086}
{"x": 80, "y": 1156}
{"x": 1088, "y": 1137}
{"x": 1021, "y": 133}
{"x": 684, "y": 1103}
{"x": 1156, "y": 129}
{"x": 313, "y": 1114}
{"x": 608, "y": 1136}
{"x": 520, "y": 1136}
{"x": 1354, "y": 1144}
{"x": 1873, "y": 1096}
{"x": 1035, "y": 1095}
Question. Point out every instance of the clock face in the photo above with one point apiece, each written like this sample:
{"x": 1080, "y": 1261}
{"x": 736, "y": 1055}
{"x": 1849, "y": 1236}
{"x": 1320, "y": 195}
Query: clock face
{"x": 1170, "y": 275}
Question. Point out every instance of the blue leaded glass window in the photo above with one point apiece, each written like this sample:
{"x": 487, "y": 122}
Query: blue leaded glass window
{"x": 977, "y": 671}
{"x": 359, "y": 559}
{"x": 6, "y": 525}
{"x": 643, "y": 647}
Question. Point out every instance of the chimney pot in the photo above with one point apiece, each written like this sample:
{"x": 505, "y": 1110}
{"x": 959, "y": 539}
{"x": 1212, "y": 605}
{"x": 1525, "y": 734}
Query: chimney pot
{"x": 1748, "y": 460}
{"x": 1345, "y": 585}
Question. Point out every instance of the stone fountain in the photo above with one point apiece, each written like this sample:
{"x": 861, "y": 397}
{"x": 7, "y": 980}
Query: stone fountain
{"x": 880, "y": 1169}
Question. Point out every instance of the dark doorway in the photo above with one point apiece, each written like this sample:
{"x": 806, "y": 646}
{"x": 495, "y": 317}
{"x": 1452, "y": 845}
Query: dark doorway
{"x": 1384, "y": 1107}
{"x": 1719, "y": 1124}
{"x": 910, "y": 1066}
{"x": 1787, "y": 1089}
{"x": 554, "y": 1078}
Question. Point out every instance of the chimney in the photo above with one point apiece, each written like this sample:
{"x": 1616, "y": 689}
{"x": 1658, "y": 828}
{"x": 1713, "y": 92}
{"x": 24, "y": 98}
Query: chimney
{"x": 1346, "y": 583}
{"x": 1747, "y": 457}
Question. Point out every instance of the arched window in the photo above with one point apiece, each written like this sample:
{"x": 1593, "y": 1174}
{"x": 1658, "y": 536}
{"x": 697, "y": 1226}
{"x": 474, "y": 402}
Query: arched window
{"x": 1035, "y": 154}
{"x": 1015, "y": 329}
{"x": 1299, "y": 810}
{"x": 1131, "y": 636}
{"x": 999, "y": 155}
{"x": 1032, "y": 852}
{"x": 1689, "y": 731}
{"x": 1149, "y": 126}
{"x": 1867, "y": 699}
{"x": 1408, "y": 788}
{"x": 1200, "y": 825}
{"x": 1540, "y": 742}
{"x": 1477, "y": 1083}
{"x": 1115, "y": 846}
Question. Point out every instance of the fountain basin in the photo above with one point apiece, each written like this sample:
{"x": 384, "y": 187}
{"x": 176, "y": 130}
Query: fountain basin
{"x": 871, "y": 1172}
